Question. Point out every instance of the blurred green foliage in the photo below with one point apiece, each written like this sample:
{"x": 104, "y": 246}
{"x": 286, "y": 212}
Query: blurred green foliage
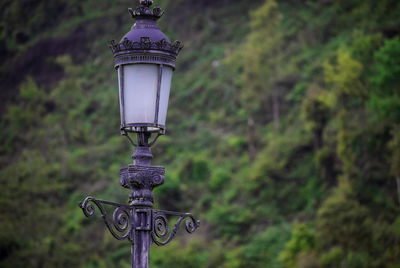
{"x": 283, "y": 133}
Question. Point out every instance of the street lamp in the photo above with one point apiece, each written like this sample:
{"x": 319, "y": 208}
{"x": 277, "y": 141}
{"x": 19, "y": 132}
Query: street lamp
{"x": 145, "y": 60}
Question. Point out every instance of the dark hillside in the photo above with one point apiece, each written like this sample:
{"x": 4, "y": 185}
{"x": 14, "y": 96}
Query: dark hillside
{"x": 283, "y": 133}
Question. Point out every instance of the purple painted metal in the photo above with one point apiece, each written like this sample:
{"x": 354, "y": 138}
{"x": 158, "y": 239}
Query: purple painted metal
{"x": 145, "y": 43}
{"x": 138, "y": 222}
{"x": 141, "y": 180}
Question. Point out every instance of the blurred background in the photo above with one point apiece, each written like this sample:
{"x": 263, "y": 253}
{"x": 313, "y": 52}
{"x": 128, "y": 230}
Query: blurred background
{"x": 283, "y": 133}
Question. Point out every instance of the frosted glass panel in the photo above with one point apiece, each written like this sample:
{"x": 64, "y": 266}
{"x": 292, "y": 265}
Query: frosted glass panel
{"x": 164, "y": 94}
{"x": 140, "y": 92}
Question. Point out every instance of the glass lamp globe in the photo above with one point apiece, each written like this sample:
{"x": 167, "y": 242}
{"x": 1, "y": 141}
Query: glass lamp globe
{"x": 145, "y": 60}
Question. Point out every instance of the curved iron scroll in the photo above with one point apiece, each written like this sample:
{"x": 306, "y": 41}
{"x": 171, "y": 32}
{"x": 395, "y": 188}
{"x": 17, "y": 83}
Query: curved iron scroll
{"x": 120, "y": 226}
{"x": 160, "y": 226}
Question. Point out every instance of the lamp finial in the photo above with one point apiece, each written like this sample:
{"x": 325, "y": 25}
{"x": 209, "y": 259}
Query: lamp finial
{"x": 144, "y": 11}
{"x": 146, "y": 3}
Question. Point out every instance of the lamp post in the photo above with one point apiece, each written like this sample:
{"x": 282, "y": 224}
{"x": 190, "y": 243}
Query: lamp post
{"x": 145, "y": 61}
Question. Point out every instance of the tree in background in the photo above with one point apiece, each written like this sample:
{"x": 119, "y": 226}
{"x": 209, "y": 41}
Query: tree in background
{"x": 260, "y": 56}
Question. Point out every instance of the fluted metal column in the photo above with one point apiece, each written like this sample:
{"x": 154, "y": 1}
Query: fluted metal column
{"x": 141, "y": 182}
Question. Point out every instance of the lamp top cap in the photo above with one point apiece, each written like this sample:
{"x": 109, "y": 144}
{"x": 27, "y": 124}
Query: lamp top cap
{"x": 144, "y": 11}
{"x": 145, "y": 42}
{"x": 146, "y": 3}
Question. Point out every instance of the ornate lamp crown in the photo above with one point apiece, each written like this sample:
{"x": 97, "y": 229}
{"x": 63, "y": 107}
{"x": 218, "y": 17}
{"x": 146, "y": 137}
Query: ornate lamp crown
{"x": 145, "y": 43}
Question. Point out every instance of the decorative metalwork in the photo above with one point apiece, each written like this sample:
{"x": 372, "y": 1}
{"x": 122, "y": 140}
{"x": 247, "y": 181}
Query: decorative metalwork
{"x": 146, "y": 3}
{"x": 141, "y": 180}
{"x": 123, "y": 226}
{"x": 120, "y": 226}
{"x": 145, "y": 11}
{"x": 134, "y": 57}
{"x": 139, "y": 222}
{"x": 146, "y": 43}
{"x": 153, "y": 47}
{"x": 161, "y": 229}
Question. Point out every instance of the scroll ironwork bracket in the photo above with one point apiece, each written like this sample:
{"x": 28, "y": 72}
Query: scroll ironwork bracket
{"x": 138, "y": 222}
{"x": 160, "y": 233}
{"x": 122, "y": 224}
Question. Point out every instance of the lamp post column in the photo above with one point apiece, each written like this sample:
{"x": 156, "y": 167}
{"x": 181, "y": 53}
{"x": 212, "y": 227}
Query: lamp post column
{"x": 141, "y": 178}
{"x": 138, "y": 222}
{"x": 140, "y": 249}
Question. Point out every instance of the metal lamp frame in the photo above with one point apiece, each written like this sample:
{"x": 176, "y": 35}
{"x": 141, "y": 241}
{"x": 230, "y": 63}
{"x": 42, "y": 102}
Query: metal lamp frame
{"x": 144, "y": 44}
{"x": 137, "y": 221}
